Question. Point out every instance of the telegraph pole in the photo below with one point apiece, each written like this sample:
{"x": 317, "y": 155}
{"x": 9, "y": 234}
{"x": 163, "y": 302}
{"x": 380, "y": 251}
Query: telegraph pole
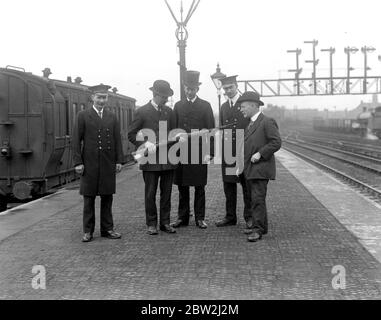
{"x": 182, "y": 36}
{"x": 297, "y": 70}
{"x": 313, "y": 61}
{"x": 331, "y": 52}
{"x": 365, "y": 50}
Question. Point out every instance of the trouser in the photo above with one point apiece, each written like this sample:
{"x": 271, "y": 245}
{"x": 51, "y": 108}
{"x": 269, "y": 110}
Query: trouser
{"x": 230, "y": 189}
{"x": 199, "y": 203}
{"x": 107, "y": 223}
{"x": 258, "y": 191}
{"x": 151, "y": 180}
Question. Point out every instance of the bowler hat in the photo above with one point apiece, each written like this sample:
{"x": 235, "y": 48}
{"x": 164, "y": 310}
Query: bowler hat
{"x": 229, "y": 80}
{"x": 162, "y": 88}
{"x": 100, "y": 88}
{"x": 191, "y": 79}
{"x": 250, "y": 96}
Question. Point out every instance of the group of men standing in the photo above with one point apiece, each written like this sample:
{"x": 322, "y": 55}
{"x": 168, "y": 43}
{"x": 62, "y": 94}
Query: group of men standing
{"x": 259, "y": 141}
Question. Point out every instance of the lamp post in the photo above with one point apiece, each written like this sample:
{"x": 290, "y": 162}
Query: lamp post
{"x": 216, "y": 80}
{"x": 182, "y": 36}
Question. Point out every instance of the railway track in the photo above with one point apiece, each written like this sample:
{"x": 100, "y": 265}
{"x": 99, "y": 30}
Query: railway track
{"x": 357, "y": 175}
{"x": 359, "y": 148}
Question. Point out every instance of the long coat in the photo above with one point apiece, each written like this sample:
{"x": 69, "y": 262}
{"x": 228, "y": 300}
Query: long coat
{"x": 196, "y": 115}
{"x": 263, "y": 137}
{"x": 229, "y": 115}
{"x": 147, "y": 117}
{"x": 97, "y": 145}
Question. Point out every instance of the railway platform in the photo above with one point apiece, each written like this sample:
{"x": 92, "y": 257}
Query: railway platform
{"x": 319, "y": 229}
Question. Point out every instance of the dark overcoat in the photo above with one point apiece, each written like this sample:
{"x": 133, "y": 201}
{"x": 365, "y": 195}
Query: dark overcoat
{"x": 147, "y": 117}
{"x": 263, "y": 137}
{"x": 229, "y": 115}
{"x": 196, "y": 115}
{"x": 97, "y": 145}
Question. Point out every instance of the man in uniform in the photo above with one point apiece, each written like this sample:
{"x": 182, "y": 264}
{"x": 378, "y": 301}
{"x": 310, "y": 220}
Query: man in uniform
{"x": 97, "y": 156}
{"x": 261, "y": 141}
{"x": 151, "y": 117}
{"x": 231, "y": 114}
{"x": 193, "y": 113}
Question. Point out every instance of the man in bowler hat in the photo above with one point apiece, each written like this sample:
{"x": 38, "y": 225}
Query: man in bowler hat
{"x": 152, "y": 116}
{"x": 193, "y": 113}
{"x": 97, "y": 155}
{"x": 261, "y": 141}
{"x": 231, "y": 114}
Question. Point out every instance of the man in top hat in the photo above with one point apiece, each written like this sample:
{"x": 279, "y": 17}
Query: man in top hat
{"x": 230, "y": 114}
{"x": 193, "y": 113}
{"x": 261, "y": 141}
{"x": 155, "y": 116}
{"x": 97, "y": 155}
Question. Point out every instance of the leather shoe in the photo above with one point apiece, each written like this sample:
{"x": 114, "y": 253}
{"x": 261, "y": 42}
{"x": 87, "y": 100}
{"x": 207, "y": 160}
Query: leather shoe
{"x": 179, "y": 223}
{"x": 152, "y": 230}
{"x": 167, "y": 228}
{"x": 225, "y": 222}
{"x": 111, "y": 234}
{"x": 253, "y": 237}
{"x": 87, "y": 237}
{"x": 247, "y": 231}
{"x": 201, "y": 224}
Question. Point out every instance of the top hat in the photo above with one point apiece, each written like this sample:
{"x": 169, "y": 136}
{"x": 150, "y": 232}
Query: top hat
{"x": 250, "y": 96}
{"x": 229, "y": 80}
{"x": 191, "y": 79}
{"x": 162, "y": 88}
{"x": 100, "y": 88}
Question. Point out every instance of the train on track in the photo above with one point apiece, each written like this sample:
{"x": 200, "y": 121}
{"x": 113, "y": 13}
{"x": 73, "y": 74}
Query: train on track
{"x": 366, "y": 124}
{"x": 37, "y": 116}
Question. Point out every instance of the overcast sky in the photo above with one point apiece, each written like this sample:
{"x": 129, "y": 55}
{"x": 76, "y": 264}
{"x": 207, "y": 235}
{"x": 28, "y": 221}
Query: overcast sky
{"x": 129, "y": 44}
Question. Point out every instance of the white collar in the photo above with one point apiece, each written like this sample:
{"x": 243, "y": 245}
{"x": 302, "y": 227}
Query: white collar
{"x": 193, "y": 100}
{"x": 234, "y": 99}
{"x": 255, "y": 117}
{"x": 156, "y": 106}
{"x": 96, "y": 110}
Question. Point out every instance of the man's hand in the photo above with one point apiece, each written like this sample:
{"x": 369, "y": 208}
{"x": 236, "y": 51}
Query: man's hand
{"x": 79, "y": 169}
{"x": 181, "y": 137}
{"x": 118, "y": 167}
{"x": 151, "y": 147}
{"x": 255, "y": 157}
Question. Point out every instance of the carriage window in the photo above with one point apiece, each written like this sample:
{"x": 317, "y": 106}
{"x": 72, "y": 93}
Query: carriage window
{"x": 74, "y": 111}
{"x": 83, "y": 107}
{"x": 129, "y": 116}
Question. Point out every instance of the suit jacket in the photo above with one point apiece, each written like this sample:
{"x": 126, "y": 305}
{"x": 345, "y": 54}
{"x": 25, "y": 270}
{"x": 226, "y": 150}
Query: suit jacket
{"x": 196, "y": 115}
{"x": 228, "y": 115}
{"x": 147, "y": 117}
{"x": 97, "y": 145}
{"x": 263, "y": 137}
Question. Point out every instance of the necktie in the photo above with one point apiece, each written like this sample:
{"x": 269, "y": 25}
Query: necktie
{"x": 100, "y": 114}
{"x": 231, "y": 104}
{"x": 248, "y": 127}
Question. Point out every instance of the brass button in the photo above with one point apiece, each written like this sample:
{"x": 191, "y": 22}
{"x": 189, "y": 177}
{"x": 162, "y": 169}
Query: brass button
{"x": 100, "y": 148}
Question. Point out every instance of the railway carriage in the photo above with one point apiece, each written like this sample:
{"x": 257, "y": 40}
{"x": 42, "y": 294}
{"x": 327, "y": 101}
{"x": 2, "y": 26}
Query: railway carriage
{"x": 37, "y": 116}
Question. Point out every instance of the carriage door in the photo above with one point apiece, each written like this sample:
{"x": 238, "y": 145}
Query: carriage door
{"x": 57, "y": 114}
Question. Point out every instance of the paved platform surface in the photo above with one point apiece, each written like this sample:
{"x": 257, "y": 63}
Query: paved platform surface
{"x": 294, "y": 261}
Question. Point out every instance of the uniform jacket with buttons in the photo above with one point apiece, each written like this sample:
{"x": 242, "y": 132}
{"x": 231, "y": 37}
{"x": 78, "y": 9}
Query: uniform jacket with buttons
{"x": 228, "y": 115}
{"x": 263, "y": 137}
{"x": 194, "y": 115}
{"x": 97, "y": 145}
{"x": 147, "y": 117}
